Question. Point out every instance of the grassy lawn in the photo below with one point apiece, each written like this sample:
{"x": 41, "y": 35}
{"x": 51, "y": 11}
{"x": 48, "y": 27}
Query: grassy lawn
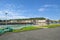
{"x": 52, "y": 25}
{"x": 33, "y": 27}
{"x": 25, "y": 29}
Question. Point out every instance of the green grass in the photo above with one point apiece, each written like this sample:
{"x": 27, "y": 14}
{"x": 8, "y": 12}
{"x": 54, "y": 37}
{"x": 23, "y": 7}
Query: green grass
{"x": 53, "y": 25}
{"x": 25, "y": 29}
{"x": 28, "y": 28}
{"x": 33, "y": 27}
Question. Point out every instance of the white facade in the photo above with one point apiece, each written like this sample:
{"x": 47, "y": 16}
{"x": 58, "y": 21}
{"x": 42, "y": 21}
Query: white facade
{"x": 36, "y": 22}
{"x": 41, "y": 22}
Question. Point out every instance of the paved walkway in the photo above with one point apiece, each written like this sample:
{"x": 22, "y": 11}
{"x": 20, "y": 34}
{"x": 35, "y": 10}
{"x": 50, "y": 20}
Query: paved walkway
{"x": 41, "y": 34}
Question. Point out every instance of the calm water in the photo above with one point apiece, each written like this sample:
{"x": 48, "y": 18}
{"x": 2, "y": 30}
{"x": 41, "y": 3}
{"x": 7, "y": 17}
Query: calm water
{"x": 15, "y": 26}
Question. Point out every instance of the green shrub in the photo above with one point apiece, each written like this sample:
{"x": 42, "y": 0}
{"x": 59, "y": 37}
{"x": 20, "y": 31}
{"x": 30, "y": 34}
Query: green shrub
{"x": 2, "y": 31}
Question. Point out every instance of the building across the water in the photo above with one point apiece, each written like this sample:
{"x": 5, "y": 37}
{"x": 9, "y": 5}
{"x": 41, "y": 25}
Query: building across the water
{"x": 34, "y": 21}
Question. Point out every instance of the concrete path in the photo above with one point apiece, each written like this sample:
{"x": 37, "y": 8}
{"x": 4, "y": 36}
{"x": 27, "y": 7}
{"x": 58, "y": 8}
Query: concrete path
{"x": 41, "y": 34}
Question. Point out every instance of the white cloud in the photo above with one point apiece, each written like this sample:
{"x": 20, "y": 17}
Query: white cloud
{"x": 44, "y": 7}
{"x": 14, "y": 11}
{"x": 11, "y": 15}
{"x": 13, "y": 6}
{"x": 18, "y": 17}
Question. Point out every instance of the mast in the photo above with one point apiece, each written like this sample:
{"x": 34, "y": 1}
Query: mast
{"x": 6, "y": 18}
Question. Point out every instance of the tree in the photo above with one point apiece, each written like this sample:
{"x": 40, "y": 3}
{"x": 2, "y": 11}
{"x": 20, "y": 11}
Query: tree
{"x": 59, "y": 21}
{"x": 0, "y": 20}
{"x": 41, "y": 18}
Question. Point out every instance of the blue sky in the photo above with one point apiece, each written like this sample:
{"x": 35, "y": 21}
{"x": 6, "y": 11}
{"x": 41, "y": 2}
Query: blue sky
{"x": 30, "y": 8}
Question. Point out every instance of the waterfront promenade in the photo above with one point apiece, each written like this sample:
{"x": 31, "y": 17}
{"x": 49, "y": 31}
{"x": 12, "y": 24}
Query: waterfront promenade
{"x": 40, "y": 34}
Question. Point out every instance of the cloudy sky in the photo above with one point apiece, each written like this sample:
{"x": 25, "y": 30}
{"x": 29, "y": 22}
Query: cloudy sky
{"x": 30, "y": 8}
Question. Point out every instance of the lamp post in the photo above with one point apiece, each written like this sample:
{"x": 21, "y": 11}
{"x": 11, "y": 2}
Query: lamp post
{"x": 6, "y": 18}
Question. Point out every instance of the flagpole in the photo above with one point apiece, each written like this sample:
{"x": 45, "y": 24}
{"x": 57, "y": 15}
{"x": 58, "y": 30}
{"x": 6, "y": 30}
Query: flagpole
{"x": 6, "y": 18}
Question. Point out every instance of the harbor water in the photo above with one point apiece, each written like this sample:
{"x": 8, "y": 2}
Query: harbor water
{"x": 17, "y": 26}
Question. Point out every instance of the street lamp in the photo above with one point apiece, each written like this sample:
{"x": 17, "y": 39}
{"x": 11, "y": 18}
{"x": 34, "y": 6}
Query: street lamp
{"x": 6, "y": 18}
